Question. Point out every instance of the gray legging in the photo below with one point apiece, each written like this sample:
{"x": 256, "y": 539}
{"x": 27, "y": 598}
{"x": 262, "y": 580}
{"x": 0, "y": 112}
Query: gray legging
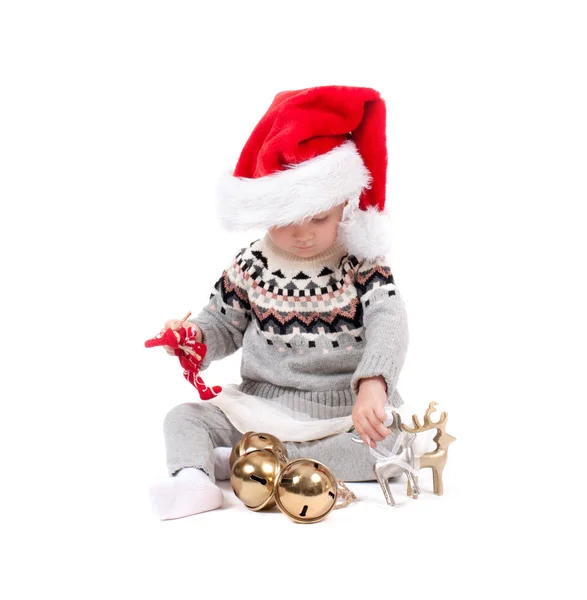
{"x": 193, "y": 430}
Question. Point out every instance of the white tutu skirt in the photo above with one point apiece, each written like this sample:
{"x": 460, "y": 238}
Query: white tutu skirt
{"x": 270, "y": 415}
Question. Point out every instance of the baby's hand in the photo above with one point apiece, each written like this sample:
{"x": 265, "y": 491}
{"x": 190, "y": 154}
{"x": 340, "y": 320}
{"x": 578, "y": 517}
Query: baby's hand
{"x": 175, "y": 325}
{"x": 369, "y": 413}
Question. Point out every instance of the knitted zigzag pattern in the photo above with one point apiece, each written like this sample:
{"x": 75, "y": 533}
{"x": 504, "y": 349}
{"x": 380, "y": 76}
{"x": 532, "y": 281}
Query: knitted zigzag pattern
{"x": 312, "y": 303}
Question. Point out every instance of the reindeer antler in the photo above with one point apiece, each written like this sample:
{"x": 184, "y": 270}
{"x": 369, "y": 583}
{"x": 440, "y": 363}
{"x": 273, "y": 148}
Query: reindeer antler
{"x": 428, "y": 423}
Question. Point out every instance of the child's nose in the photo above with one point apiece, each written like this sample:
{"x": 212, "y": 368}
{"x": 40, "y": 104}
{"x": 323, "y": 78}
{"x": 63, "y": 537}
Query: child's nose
{"x": 303, "y": 231}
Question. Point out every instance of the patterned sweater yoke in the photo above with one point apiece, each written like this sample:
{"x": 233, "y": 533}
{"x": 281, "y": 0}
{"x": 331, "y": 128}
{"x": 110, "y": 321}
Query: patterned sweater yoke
{"x": 309, "y": 328}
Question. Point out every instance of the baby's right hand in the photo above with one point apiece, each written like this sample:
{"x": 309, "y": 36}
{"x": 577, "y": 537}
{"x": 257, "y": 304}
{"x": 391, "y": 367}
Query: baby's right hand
{"x": 176, "y": 324}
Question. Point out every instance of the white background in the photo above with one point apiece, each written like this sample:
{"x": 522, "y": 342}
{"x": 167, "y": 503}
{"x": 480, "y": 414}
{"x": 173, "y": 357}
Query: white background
{"x": 116, "y": 119}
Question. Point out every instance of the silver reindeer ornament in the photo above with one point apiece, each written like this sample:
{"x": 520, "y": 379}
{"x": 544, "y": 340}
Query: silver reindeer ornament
{"x": 399, "y": 459}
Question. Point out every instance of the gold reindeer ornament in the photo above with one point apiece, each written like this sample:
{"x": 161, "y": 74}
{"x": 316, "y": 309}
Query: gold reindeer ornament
{"x": 435, "y": 460}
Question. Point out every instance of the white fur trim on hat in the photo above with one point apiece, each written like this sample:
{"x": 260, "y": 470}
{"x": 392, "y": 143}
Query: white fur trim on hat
{"x": 289, "y": 196}
{"x": 365, "y": 233}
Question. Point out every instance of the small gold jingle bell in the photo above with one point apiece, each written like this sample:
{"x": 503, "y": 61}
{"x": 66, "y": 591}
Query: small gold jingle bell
{"x": 253, "y": 477}
{"x": 252, "y": 440}
{"x": 306, "y": 490}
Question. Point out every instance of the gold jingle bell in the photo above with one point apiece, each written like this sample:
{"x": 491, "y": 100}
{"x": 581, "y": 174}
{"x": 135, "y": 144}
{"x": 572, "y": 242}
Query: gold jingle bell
{"x": 253, "y": 476}
{"x": 252, "y": 440}
{"x": 306, "y": 490}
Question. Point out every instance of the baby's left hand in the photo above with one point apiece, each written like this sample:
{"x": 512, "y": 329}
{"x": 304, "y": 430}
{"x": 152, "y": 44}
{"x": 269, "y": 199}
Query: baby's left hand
{"x": 368, "y": 412}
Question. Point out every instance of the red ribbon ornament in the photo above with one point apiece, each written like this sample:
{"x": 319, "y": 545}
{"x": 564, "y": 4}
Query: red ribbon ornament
{"x": 190, "y": 353}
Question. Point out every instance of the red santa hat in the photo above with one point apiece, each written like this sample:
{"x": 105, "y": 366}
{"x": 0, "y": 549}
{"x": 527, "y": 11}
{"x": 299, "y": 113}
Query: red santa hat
{"x": 313, "y": 150}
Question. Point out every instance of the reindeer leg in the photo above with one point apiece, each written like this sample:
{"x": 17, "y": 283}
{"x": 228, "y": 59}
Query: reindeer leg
{"x": 439, "y": 486}
{"x": 413, "y": 487}
{"x": 413, "y": 483}
{"x": 381, "y": 475}
{"x": 437, "y": 481}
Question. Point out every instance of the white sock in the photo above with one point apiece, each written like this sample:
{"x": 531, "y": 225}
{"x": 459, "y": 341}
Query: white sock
{"x": 190, "y": 492}
{"x": 221, "y": 463}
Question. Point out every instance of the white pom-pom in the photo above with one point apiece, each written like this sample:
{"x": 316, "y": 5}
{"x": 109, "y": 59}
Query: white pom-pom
{"x": 366, "y": 233}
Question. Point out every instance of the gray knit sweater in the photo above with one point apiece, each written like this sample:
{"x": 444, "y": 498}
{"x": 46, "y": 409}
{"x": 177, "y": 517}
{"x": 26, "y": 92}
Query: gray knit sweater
{"x": 309, "y": 328}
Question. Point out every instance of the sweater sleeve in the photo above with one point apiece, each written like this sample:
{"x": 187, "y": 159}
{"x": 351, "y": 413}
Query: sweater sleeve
{"x": 224, "y": 319}
{"x": 385, "y": 326}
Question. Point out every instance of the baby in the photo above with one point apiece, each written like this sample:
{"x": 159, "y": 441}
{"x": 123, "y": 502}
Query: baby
{"x": 312, "y": 303}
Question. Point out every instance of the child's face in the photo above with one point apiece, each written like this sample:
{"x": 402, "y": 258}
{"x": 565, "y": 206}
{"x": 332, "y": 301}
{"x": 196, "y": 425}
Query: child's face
{"x": 311, "y": 236}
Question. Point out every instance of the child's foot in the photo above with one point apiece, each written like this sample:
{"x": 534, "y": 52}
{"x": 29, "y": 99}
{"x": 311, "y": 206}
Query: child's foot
{"x": 190, "y": 492}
